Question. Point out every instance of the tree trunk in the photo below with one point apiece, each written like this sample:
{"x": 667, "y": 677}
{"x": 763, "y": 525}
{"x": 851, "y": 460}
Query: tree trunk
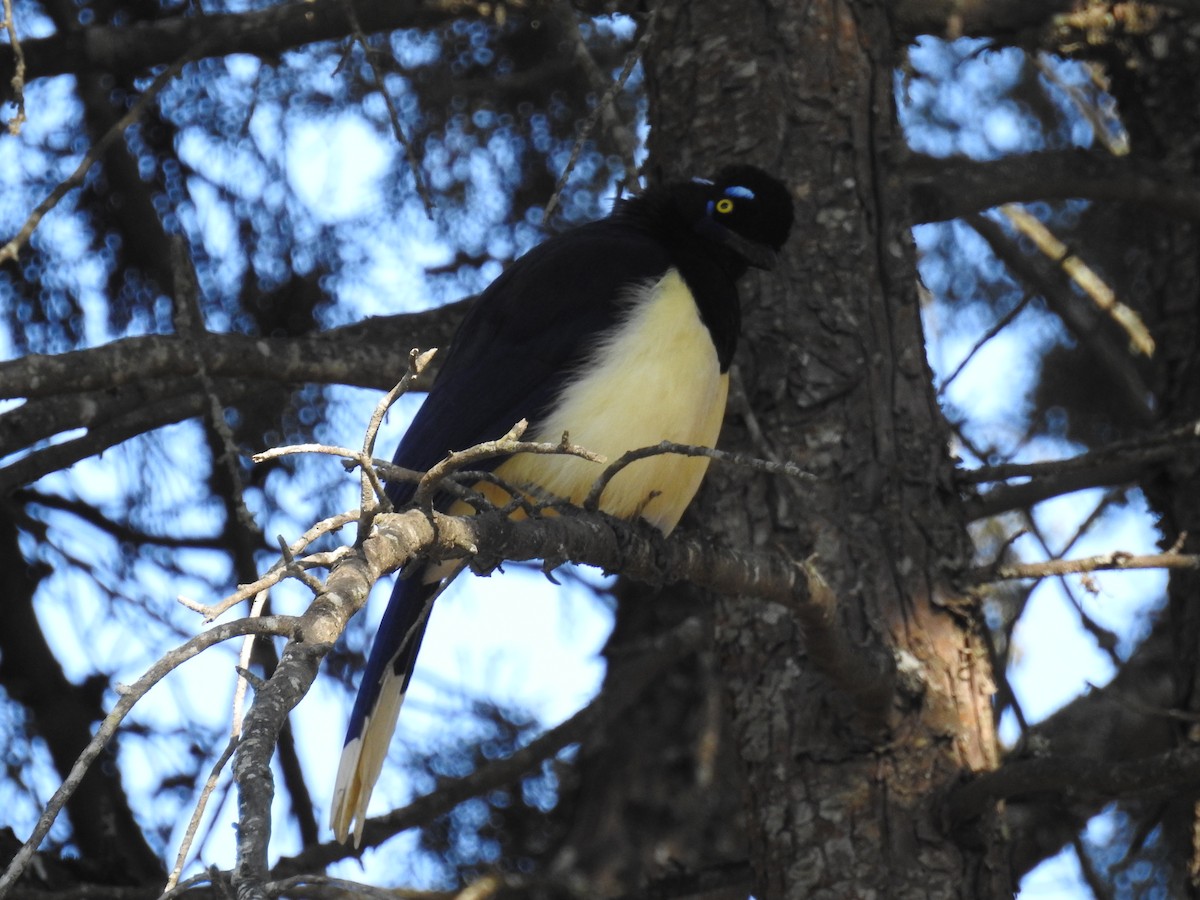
{"x": 844, "y": 773}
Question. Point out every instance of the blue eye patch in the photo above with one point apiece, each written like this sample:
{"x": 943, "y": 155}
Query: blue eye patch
{"x": 738, "y": 191}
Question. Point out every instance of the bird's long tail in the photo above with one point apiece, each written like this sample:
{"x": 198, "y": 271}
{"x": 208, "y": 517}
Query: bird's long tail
{"x": 373, "y": 719}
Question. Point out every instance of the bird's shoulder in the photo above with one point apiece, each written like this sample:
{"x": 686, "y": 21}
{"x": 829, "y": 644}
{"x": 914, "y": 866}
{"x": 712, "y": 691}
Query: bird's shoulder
{"x": 527, "y": 331}
{"x": 592, "y": 265}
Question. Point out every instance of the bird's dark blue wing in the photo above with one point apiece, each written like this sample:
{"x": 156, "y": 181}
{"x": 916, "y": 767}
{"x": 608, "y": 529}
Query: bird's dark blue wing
{"x": 523, "y": 337}
{"x": 521, "y": 340}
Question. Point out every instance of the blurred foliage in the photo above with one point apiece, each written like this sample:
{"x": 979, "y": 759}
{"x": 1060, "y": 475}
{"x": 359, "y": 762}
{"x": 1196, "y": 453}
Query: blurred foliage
{"x": 502, "y": 830}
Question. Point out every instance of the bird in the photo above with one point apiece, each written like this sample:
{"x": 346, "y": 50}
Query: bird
{"x": 619, "y": 332}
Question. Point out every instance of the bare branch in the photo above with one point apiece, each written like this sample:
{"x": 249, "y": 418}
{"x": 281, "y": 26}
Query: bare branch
{"x": 592, "y": 501}
{"x": 1082, "y": 274}
{"x": 604, "y": 106}
{"x": 10, "y": 250}
{"x": 324, "y": 358}
{"x": 1003, "y": 322}
{"x": 372, "y": 495}
{"x": 1075, "y": 776}
{"x": 189, "y": 835}
{"x": 1115, "y": 561}
{"x": 511, "y": 443}
{"x": 130, "y": 695}
{"x": 952, "y": 187}
{"x": 252, "y": 766}
{"x": 1143, "y": 450}
{"x": 281, "y": 568}
{"x": 18, "y": 78}
{"x": 243, "y": 671}
{"x": 1116, "y": 463}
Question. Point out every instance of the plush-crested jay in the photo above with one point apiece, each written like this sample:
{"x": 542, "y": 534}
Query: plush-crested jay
{"x": 619, "y": 332}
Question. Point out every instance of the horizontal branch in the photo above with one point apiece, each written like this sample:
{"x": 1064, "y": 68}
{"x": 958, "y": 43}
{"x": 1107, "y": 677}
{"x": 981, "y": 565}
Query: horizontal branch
{"x": 1120, "y": 462}
{"x": 1073, "y": 776}
{"x": 1147, "y": 448}
{"x": 977, "y": 18}
{"x": 108, "y": 432}
{"x": 268, "y": 33}
{"x": 1055, "y": 482}
{"x": 132, "y": 386}
{"x": 639, "y": 552}
{"x": 361, "y": 355}
{"x": 945, "y": 188}
{"x": 1105, "y": 562}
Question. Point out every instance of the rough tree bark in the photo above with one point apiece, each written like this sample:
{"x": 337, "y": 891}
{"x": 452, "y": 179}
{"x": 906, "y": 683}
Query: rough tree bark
{"x": 844, "y": 773}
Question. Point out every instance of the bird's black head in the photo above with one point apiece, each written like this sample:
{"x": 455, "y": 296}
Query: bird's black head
{"x": 741, "y": 208}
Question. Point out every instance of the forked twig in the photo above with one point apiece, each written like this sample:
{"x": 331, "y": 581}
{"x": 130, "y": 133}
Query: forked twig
{"x": 592, "y": 501}
{"x": 10, "y": 250}
{"x": 602, "y": 107}
{"x": 130, "y": 695}
{"x": 509, "y": 444}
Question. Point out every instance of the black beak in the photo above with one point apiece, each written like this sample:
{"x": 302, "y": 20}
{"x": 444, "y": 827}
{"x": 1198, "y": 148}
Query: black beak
{"x": 760, "y": 256}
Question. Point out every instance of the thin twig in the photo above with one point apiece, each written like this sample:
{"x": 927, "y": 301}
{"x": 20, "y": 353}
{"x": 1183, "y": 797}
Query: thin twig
{"x": 601, "y": 108}
{"x": 11, "y": 250}
{"x": 410, "y": 152}
{"x": 1115, "y": 561}
{"x": 417, "y": 362}
{"x": 1145, "y": 449}
{"x": 505, "y": 446}
{"x": 1074, "y": 776}
{"x": 129, "y": 696}
{"x": 18, "y": 78}
{"x": 295, "y": 570}
{"x": 592, "y": 501}
{"x": 1106, "y": 640}
{"x": 209, "y": 877}
{"x": 279, "y": 570}
{"x": 366, "y": 463}
{"x": 239, "y": 692}
{"x": 198, "y": 813}
{"x": 1003, "y": 322}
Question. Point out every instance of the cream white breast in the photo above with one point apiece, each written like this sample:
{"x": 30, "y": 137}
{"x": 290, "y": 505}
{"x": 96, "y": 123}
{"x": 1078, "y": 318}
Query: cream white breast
{"x": 655, "y": 377}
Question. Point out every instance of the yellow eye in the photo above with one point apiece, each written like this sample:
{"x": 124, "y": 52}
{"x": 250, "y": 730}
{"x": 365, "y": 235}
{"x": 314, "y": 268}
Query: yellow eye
{"x": 724, "y": 205}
